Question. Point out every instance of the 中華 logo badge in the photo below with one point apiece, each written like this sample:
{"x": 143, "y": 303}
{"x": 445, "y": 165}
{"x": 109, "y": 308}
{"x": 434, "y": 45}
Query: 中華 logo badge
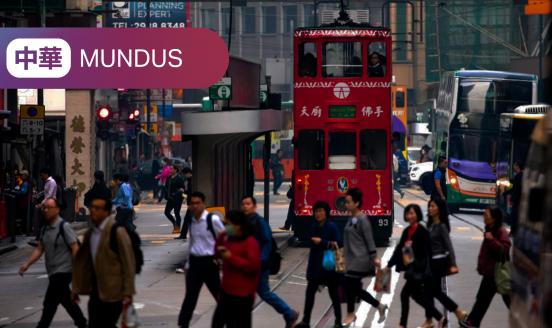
{"x": 38, "y": 58}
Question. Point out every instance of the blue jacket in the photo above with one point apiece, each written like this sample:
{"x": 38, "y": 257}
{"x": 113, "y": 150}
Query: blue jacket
{"x": 327, "y": 232}
{"x": 263, "y": 234}
{"x": 124, "y": 196}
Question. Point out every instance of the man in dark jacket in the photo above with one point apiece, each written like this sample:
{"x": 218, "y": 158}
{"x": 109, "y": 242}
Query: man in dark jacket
{"x": 99, "y": 189}
{"x": 174, "y": 189}
{"x": 263, "y": 234}
{"x": 187, "y": 173}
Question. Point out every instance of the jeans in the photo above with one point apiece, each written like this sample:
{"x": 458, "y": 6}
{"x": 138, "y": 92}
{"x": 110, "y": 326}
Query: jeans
{"x": 103, "y": 314}
{"x": 271, "y": 298}
{"x": 277, "y": 174}
{"x": 354, "y": 290}
{"x": 233, "y": 311}
{"x": 487, "y": 291}
{"x": 202, "y": 270}
{"x": 312, "y": 287}
{"x": 174, "y": 205}
{"x": 415, "y": 289}
{"x": 58, "y": 293}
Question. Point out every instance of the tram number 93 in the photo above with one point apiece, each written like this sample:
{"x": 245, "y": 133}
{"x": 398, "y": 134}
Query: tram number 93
{"x": 383, "y": 222}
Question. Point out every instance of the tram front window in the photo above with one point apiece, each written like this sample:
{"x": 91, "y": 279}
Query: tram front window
{"x": 307, "y": 59}
{"x": 342, "y": 150}
{"x": 373, "y": 149}
{"x": 310, "y": 145}
{"x": 342, "y": 59}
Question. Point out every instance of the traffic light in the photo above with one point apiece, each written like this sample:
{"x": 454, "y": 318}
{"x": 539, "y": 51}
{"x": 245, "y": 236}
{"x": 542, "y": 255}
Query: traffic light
{"x": 133, "y": 122}
{"x": 103, "y": 114}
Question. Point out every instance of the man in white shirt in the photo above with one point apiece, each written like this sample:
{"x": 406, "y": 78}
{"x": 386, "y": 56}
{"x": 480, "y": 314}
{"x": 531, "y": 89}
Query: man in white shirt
{"x": 201, "y": 264}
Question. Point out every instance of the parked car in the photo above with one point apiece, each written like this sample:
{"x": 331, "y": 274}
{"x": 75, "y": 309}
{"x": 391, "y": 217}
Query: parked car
{"x": 413, "y": 155}
{"x": 418, "y": 171}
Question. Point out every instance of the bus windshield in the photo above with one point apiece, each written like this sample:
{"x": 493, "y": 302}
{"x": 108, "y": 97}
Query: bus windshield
{"x": 493, "y": 97}
{"x": 474, "y": 148}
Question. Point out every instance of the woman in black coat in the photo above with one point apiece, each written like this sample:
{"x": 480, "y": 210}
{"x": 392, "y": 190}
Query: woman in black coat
{"x": 324, "y": 236}
{"x": 413, "y": 255}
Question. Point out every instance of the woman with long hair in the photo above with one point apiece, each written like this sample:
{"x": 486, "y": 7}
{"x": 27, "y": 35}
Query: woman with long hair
{"x": 443, "y": 259}
{"x": 360, "y": 255}
{"x": 495, "y": 247}
{"x": 324, "y": 236}
{"x": 413, "y": 256}
{"x": 241, "y": 269}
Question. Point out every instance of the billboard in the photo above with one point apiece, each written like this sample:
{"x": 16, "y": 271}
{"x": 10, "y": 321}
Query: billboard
{"x": 127, "y": 14}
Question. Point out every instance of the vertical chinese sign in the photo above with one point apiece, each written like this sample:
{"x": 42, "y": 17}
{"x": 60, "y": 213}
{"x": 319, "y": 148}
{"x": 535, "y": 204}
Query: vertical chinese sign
{"x": 79, "y": 141}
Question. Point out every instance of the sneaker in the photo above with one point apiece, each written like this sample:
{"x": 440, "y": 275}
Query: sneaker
{"x": 382, "y": 310}
{"x": 180, "y": 270}
{"x": 290, "y": 323}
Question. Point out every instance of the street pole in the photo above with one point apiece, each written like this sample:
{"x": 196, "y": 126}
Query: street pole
{"x": 148, "y": 94}
{"x": 541, "y": 50}
{"x": 266, "y": 166}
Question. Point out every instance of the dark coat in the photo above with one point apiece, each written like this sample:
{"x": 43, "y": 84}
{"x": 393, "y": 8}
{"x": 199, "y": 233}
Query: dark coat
{"x": 174, "y": 188}
{"x": 421, "y": 245}
{"x": 99, "y": 189}
{"x": 492, "y": 251}
{"x": 327, "y": 232}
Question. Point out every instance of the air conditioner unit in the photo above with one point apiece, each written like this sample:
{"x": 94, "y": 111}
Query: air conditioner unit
{"x": 358, "y": 16}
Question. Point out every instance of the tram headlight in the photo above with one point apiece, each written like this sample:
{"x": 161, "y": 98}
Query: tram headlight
{"x": 503, "y": 182}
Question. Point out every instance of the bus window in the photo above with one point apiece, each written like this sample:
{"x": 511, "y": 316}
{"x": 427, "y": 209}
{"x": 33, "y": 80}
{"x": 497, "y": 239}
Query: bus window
{"x": 310, "y": 145}
{"x": 373, "y": 149}
{"x": 376, "y": 60}
{"x": 342, "y": 150}
{"x": 342, "y": 59}
{"x": 399, "y": 99}
{"x": 307, "y": 59}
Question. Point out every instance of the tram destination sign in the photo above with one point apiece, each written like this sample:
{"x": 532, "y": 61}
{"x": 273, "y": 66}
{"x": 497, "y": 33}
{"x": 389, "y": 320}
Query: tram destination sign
{"x": 341, "y": 111}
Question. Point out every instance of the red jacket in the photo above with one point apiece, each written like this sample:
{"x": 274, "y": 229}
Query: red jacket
{"x": 492, "y": 251}
{"x": 242, "y": 270}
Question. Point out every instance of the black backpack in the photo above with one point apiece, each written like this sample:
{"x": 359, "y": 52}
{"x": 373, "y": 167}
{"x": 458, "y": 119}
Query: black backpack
{"x": 428, "y": 183}
{"x": 134, "y": 239}
{"x": 275, "y": 258}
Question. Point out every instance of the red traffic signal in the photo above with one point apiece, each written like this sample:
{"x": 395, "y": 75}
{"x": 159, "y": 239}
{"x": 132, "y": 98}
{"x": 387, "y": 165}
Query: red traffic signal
{"x": 136, "y": 113}
{"x": 103, "y": 113}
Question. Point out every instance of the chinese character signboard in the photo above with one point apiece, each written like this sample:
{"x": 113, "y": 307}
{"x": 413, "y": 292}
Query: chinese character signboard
{"x": 91, "y": 58}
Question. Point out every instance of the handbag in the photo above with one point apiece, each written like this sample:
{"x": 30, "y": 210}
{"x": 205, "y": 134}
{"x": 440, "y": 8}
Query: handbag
{"x": 339, "y": 260}
{"x": 328, "y": 260}
{"x": 503, "y": 275}
{"x": 383, "y": 281}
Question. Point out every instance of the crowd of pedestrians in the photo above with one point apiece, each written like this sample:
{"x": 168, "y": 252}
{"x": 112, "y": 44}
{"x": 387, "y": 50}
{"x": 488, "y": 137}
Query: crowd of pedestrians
{"x": 232, "y": 256}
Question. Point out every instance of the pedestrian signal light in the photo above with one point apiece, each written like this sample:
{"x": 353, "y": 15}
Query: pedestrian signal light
{"x": 136, "y": 113}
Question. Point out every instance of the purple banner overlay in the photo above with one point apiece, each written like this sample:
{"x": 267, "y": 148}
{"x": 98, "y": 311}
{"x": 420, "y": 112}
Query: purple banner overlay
{"x": 89, "y": 58}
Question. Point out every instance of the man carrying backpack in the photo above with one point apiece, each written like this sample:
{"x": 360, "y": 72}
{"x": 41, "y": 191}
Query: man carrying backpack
{"x": 201, "y": 266}
{"x": 59, "y": 242}
{"x": 440, "y": 180}
{"x": 105, "y": 267}
{"x": 263, "y": 234}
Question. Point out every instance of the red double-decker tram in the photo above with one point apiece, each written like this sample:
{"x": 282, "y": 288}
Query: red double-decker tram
{"x": 342, "y": 123}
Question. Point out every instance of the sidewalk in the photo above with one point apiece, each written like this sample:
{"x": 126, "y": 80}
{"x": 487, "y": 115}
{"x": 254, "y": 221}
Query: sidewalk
{"x": 7, "y": 246}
